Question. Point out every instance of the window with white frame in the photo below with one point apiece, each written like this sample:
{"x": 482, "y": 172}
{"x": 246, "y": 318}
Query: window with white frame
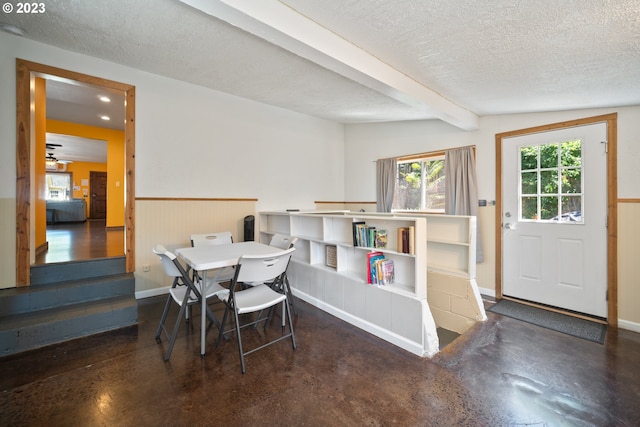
{"x": 58, "y": 186}
{"x": 421, "y": 183}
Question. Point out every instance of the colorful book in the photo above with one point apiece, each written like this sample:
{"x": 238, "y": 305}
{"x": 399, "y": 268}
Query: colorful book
{"x": 381, "y": 239}
{"x": 372, "y": 257}
{"x": 356, "y": 232}
{"x": 387, "y": 272}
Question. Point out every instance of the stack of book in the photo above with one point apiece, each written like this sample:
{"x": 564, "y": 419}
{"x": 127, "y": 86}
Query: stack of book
{"x": 380, "y": 269}
{"x": 368, "y": 236}
{"x": 406, "y": 240}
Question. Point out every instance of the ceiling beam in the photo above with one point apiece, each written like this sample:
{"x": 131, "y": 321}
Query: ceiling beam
{"x": 277, "y": 23}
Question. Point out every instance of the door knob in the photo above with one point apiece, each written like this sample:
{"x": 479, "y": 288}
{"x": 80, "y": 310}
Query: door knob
{"x": 508, "y": 226}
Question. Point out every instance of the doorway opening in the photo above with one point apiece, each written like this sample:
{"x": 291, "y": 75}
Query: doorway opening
{"x": 26, "y": 74}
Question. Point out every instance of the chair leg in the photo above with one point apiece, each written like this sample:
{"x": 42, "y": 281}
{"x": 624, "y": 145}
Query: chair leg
{"x": 174, "y": 334}
{"x": 293, "y": 338}
{"x": 239, "y": 338}
{"x": 212, "y": 317}
{"x": 287, "y": 288}
{"x": 162, "y": 319}
{"x": 222, "y": 325}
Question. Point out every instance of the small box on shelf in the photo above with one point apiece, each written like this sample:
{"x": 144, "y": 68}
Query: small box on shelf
{"x": 331, "y": 256}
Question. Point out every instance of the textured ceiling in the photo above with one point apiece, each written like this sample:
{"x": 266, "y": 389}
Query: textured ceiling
{"x": 453, "y": 60}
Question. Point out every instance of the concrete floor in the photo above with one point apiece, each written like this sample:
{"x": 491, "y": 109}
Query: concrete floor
{"x": 502, "y": 372}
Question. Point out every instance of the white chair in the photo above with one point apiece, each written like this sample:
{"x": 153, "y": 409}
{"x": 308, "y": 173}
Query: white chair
{"x": 283, "y": 241}
{"x": 220, "y": 238}
{"x": 184, "y": 293}
{"x": 257, "y": 299}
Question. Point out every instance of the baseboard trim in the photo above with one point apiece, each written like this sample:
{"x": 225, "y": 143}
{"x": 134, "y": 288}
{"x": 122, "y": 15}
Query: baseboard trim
{"x": 148, "y": 293}
{"x": 487, "y": 292}
{"x": 629, "y": 326}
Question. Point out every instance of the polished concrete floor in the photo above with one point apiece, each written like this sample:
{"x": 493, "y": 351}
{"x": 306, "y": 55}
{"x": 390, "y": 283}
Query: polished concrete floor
{"x": 502, "y": 372}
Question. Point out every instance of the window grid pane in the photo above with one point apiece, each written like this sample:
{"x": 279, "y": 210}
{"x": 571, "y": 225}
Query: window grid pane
{"x": 551, "y": 182}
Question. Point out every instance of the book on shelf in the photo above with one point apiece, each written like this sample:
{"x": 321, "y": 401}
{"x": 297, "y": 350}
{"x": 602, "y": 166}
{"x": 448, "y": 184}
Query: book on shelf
{"x": 406, "y": 240}
{"x": 381, "y": 239}
{"x": 357, "y": 232}
{"x": 372, "y": 257}
{"x": 368, "y": 236}
{"x": 380, "y": 269}
{"x": 386, "y": 272}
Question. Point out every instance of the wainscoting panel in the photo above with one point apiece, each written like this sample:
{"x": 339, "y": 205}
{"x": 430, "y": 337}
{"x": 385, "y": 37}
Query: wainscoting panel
{"x": 628, "y": 268}
{"x": 170, "y": 222}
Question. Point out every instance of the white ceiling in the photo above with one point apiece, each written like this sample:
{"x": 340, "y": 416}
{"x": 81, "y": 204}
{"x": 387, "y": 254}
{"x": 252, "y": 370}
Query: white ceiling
{"x": 369, "y": 60}
{"x": 67, "y": 148}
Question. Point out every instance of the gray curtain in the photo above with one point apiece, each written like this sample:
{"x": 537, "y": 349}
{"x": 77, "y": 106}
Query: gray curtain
{"x": 461, "y": 188}
{"x": 386, "y": 175}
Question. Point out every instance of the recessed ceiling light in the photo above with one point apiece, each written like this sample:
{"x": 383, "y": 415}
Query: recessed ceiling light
{"x": 12, "y": 29}
{"x": 105, "y": 118}
{"x": 104, "y": 98}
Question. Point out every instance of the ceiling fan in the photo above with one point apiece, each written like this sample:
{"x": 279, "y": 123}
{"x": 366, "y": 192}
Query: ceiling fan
{"x": 51, "y": 161}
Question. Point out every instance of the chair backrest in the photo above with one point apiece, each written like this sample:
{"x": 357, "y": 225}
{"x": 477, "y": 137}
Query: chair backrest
{"x": 262, "y": 268}
{"x": 283, "y": 241}
{"x": 173, "y": 268}
{"x": 221, "y": 238}
{"x": 167, "y": 258}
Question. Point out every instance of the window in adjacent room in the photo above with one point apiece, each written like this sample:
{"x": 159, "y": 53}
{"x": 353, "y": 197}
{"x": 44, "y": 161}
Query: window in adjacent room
{"x": 58, "y": 186}
{"x": 421, "y": 183}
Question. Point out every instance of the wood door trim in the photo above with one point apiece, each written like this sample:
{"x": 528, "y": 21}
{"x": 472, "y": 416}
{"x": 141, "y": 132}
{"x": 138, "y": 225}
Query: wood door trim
{"x": 612, "y": 206}
{"x": 25, "y": 70}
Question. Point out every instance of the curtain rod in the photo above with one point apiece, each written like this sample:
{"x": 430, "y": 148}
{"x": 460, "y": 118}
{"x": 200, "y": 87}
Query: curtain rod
{"x": 427, "y": 154}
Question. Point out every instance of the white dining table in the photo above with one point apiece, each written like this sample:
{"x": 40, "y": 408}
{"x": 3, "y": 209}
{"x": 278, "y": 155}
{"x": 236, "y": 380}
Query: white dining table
{"x": 212, "y": 257}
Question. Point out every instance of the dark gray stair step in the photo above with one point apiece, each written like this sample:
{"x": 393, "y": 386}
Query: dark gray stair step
{"x": 76, "y": 270}
{"x": 26, "y": 331}
{"x": 21, "y": 300}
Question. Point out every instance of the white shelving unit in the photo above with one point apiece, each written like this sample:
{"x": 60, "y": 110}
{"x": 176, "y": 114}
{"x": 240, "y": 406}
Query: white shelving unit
{"x": 452, "y": 292}
{"x": 397, "y": 312}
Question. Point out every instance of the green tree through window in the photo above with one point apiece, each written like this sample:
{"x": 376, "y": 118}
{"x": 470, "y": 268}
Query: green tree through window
{"x": 421, "y": 184}
{"x": 551, "y": 182}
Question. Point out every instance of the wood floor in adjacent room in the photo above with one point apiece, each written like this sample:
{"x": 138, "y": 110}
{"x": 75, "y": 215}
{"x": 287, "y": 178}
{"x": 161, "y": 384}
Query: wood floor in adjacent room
{"x": 502, "y": 372}
{"x": 79, "y": 241}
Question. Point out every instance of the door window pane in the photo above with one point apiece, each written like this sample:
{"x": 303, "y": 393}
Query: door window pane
{"x": 529, "y": 182}
{"x": 551, "y": 182}
{"x": 529, "y": 206}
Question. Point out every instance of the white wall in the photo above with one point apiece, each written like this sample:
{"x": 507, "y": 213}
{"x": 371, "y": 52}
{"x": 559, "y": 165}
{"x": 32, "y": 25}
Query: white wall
{"x": 190, "y": 142}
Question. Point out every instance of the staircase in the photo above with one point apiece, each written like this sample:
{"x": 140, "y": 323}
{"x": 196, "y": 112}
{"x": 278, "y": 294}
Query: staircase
{"x": 67, "y": 301}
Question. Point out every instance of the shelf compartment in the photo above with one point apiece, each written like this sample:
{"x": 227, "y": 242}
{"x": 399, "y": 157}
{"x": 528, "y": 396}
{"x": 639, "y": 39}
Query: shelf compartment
{"x": 449, "y": 228}
{"x": 307, "y": 226}
{"x": 447, "y": 257}
{"x": 275, "y": 223}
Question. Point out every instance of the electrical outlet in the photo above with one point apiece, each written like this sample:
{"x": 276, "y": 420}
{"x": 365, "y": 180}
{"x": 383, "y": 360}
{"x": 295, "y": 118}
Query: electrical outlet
{"x": 146, "y": 268}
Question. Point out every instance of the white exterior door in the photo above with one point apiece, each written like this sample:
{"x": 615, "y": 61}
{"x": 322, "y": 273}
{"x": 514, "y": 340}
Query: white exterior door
{"x": 554, "y": 198}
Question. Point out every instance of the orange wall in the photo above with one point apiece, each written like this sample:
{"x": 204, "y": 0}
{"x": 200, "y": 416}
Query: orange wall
{"x": 114, "y": 166}
{"x": 80, "y": 171}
